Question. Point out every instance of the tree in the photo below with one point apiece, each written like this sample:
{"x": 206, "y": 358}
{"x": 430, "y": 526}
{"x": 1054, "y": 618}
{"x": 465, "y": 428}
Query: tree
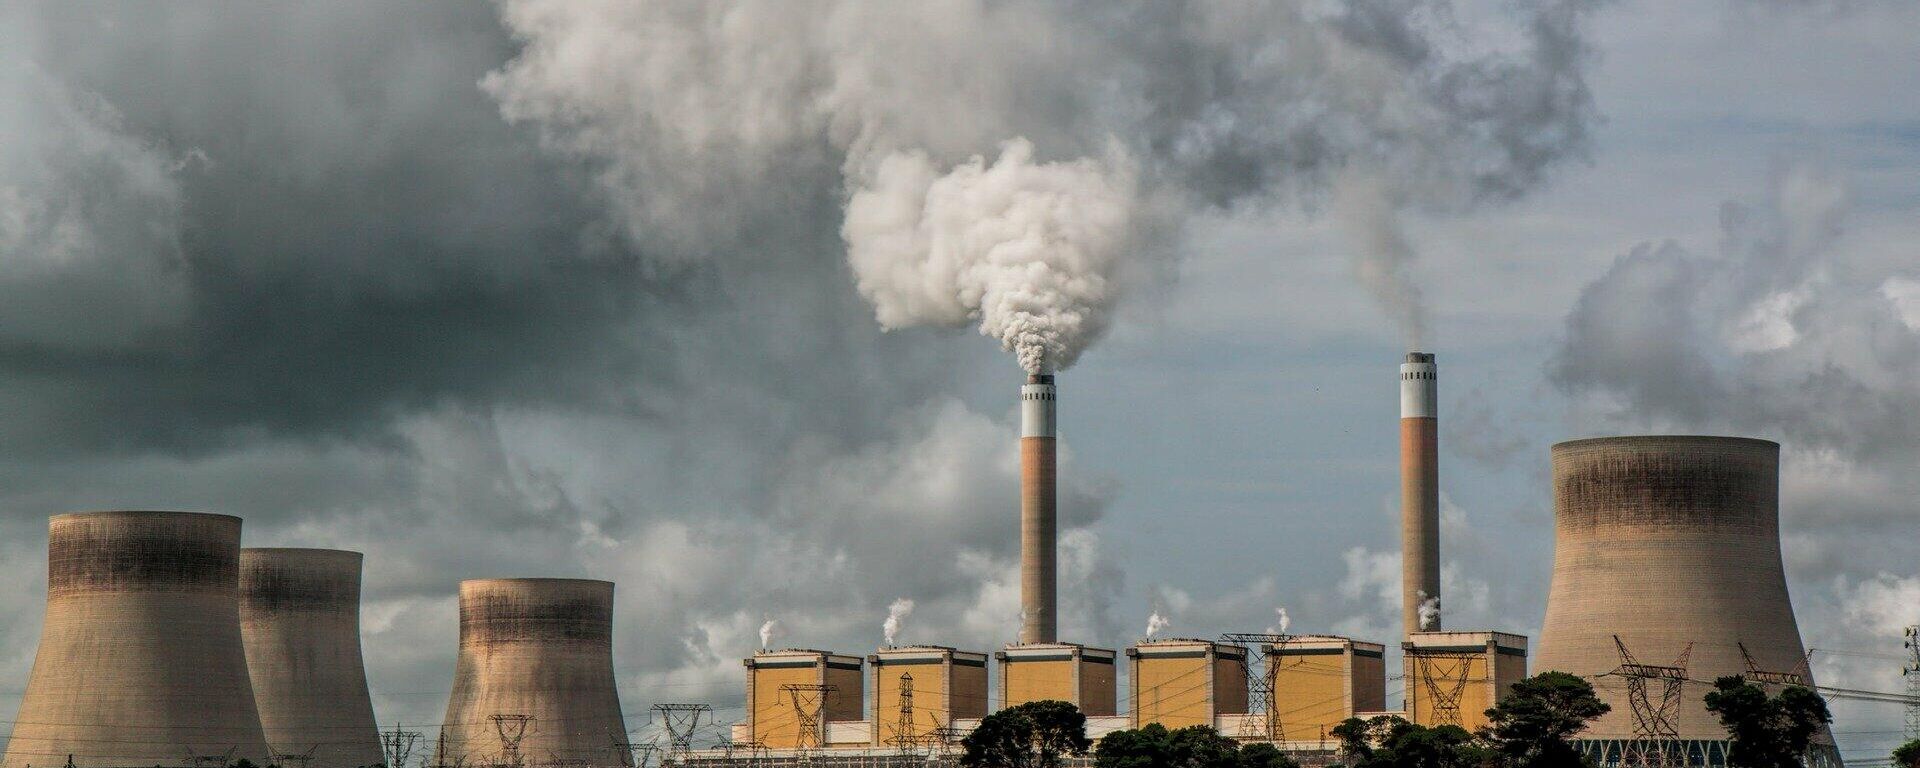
{"x": 1533, "y": 727}
{"x": 1907, "y": 755}
{"x": 1195, "y": 746}
{"x": 1031, "y": 735}
{"x": 1263, "y": 755}
{"x": 1391, "y": 742}
{"x": 1764, "y": 731}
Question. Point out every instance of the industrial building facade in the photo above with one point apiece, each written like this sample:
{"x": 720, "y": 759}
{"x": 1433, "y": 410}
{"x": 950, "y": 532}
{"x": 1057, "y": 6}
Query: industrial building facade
{"x": 1179, "y": 683}
{"x": 1319, "y": 681}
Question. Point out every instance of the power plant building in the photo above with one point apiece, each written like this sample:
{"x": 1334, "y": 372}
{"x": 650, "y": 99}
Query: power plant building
{"x": 794, "y": 695}
{"x": 300, "y": 620}
{"x": 919, "y": 691}
{"x": 1178, "y": 683}
{"x": 534, "y": 681}
{"x": 1453, "y": 677}
{"x": 1068, "y": 672}
{"x": 140, "y": 659}
{"x": 1319, "y": 681}
{"x": 1671, "y": 544}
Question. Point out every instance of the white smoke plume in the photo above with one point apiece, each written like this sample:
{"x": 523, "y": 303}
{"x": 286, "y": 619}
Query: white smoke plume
{"x": 896, "y": 613}
{"x": 1429, "y": 610}
{"x": 1283, "y": 621}
{"x": 1365, "y": 208}
{"x": 1026, "y": 249}
{"x": 708, "y": 124}
{"x": 768, "y": 630}
{"x": 1155, "y": 623}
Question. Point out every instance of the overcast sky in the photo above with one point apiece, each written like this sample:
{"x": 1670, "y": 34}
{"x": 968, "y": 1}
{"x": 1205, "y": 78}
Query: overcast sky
{"x": 727, "y": 302}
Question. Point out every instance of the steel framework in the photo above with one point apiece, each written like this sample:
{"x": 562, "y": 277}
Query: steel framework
{"x": 1260, "y": 680}
{"x": 680, "y": 722}
{"x": 1655, "y": 742}
{"x": 1446, "y": 700}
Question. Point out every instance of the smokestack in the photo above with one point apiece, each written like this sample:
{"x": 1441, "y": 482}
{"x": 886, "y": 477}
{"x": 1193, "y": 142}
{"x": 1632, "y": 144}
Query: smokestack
{"x": 1419, "y": 494}
{"x": 140, "y": 659}
{"x": 1039, "y": 523}
{"x": 300, "y": 619}
{"x": 534, "y": 680}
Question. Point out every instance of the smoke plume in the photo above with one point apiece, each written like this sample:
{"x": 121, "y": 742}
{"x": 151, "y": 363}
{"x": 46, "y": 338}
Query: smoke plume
{"x": 1283, "y": 621}
{"x": 1364, "y": 206}
{"x": 896, "y": 613}
{"x": 1429, "y": 610}
{"x": 1111, "y": 126}
{"x": 1026, "y": 249}
{"x": 768, "y": 629}
{"x": 1155, "y": 623}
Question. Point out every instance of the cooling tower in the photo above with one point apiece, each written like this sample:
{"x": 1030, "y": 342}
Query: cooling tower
{"x": 1419, "y": 494}
{"x": 1039, "y": 524}
{"x": 1666, "y": 541}
{"x": 140, "y": 659}
{"x": 300, "y": 618}
{"x": 536, "y": 662}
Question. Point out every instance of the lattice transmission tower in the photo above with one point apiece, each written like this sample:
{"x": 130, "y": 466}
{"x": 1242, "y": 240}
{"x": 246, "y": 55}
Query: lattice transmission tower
{"x": 1655, "y": 738}
{"x": 1263, "y": 718}
{"x": 1444, "y": 676}
{"x": 512, "y": 729}
{"x": 680, "y": 722}
{"x": 398, "y": 745}
{"x": 1911, "y": 671}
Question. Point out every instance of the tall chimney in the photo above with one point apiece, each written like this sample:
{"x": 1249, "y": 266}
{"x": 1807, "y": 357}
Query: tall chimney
{"x": 1039, "y": 570}
{"x": 1419, "y": 494}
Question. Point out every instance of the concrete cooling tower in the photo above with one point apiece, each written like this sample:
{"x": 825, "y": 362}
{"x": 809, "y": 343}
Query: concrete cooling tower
{"x": 1666, "y": 542}
{"x": 140, "y": 659}
{"x": 534, "y": 681}
{"x": 300, "y": 619}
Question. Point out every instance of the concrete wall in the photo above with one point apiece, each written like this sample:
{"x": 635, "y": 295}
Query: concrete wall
{"x": 1666, "y": 541}
{"x": 539, "y": 647}
{"x": 300, "y": 620}
{"x": 771, "y": 717}
{"x": 140, "y": 659}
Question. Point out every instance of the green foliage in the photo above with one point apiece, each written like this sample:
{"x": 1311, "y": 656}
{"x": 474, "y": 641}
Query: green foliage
{"x": 1907, "y": 755}
{"x": 1391, "y": 742}
{"x": 1032, "y": 735}
{"x": 1534, "y": 726}
{"x": 1264, "y": 755}
{"x": 1197, "y": 746}
{"x": 1764, "y": 731}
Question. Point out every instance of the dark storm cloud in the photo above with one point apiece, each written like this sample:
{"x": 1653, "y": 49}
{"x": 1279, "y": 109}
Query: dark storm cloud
{"x": 357, "y": 234}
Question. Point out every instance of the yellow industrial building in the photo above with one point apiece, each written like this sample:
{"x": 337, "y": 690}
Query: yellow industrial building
{"x": 1453, "y": 677}
{"x": 1320, "y": 681}
{"x": 793, "y": 694}
{"x": 1067, "y": 672}
{"x": 919, "y": 691}
{"x": 1178, "y": 683}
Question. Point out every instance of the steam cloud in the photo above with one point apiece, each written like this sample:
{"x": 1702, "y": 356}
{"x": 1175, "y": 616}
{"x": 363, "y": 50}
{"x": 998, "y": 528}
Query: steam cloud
{"x": 1110, "y": 128}
{"x": 896, "y": 613}
{"x": 1027, "y": 249}
{"x": 1364, "y": 206}
{"x": 768, "y": 629}
{"x": 1283, "y": 622}
{"x": 1155, "y": 623}
{"x": 1429, "y": 610}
